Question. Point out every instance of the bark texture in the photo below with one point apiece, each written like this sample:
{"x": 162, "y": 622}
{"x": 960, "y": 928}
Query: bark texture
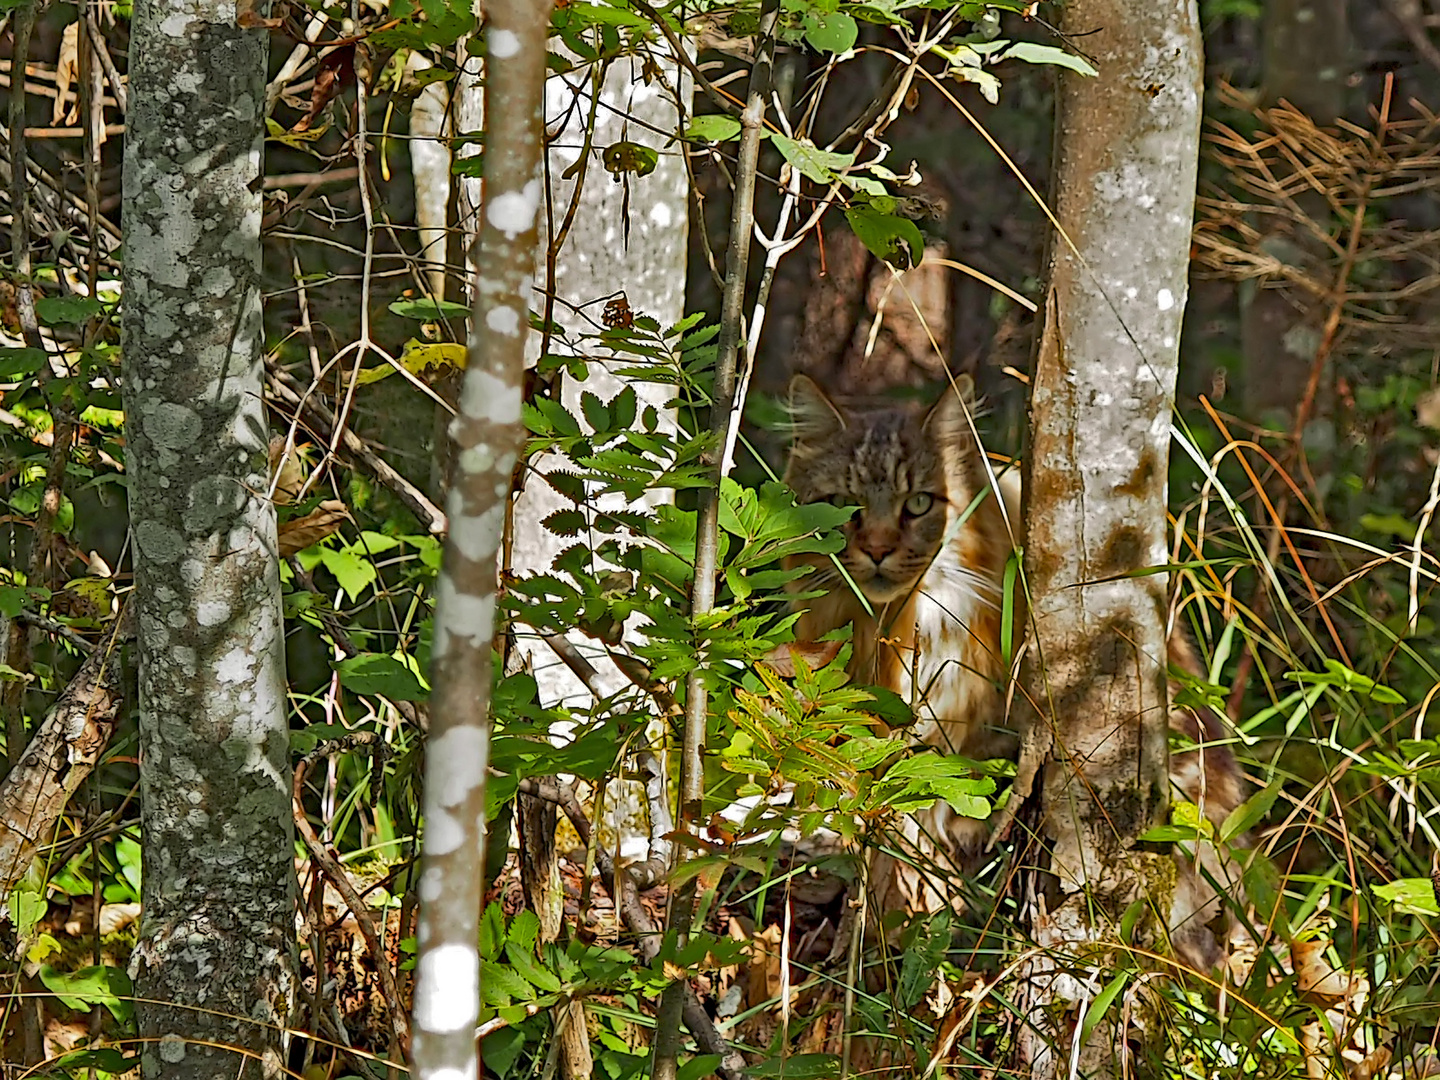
{"x": 215, "y": 963}
{"x": 487, "y": 435}
{"x": 1103, "y": 387}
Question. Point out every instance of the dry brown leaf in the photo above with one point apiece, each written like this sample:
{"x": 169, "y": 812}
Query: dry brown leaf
{"x": 1314, "y": 974}
{"x": 113, "y": 919}
{"x": 248, "y": 17}
{"x": 315, "y": 526}
{"x": 816, "y": 654}
{"x": 67, "y": 69}
{"x": 290, "y": 467}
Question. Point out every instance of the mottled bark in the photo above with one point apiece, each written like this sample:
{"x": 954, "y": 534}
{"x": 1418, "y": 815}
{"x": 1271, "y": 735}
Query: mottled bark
{"x": 1100, "y": 418}
{"x": 215, "y": 963}
{"x": 487, "y": 436}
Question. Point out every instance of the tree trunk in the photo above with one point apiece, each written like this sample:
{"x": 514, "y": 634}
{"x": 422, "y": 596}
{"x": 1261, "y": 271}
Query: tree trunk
{"x": 215, "y": 964}
{"x": 487, "y": 433}
{"x": 600, "y": 257}
{"x": 1103, "y": 387}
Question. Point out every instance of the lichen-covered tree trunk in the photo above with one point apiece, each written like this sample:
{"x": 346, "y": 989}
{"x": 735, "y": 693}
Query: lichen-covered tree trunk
{"x": 215, "y": 964}
{"x": 1101, "y": 399}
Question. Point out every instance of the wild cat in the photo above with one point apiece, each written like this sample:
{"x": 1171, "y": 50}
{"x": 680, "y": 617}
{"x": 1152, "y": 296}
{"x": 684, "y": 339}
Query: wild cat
{"x": 927, "y": 547}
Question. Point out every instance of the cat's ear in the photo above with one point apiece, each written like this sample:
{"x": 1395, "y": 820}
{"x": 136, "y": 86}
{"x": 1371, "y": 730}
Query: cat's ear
{"x": 812, "y": 414}
{"x": 946, "y": 419}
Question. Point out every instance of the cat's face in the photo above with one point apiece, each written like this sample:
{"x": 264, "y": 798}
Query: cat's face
{"x": 898, "y": 463}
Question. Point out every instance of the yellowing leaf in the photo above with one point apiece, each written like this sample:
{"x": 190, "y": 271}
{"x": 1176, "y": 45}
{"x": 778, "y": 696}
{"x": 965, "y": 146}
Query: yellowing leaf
{"x": 422, "y": 359}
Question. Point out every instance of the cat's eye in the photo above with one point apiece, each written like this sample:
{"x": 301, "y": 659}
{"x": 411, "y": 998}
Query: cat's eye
{"x": 919, "y": 504}
{"x": 843, "y": 501}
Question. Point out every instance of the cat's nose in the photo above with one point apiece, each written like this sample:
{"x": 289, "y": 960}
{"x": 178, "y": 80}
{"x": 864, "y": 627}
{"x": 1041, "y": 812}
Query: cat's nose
{"x": 877, "y": 544}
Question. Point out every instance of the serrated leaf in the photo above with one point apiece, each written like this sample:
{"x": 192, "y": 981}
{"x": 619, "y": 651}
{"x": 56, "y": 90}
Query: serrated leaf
{"x": 566, "y": 523}
{"x": 622, "y": 409}
{"x": 500, "y": 985}
{"x": 569, "y": 484}
{"x": 528, "y": 968}
{"x": 596, "y": 414}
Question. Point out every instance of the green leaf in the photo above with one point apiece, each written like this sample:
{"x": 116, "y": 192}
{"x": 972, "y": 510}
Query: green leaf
{"x": 1412, "y": 896}
{"x": 524, "y": 929}
{"x": 819, "y": 165}
{"x": 1102, "y": 1003}
{"x": 384, "y": 676}
{"x": 797, "y": 1067}
{"x": 12, "y": 600}
{"x": 529, "y": 969}
{"x": 106, "y": 1060}
{"x": 889, "y": 236}
{"x": 966, "y": 797}
{"x": 622, "y": 409}
{"x": 27, "y": 908}
{"x": 603, "y": 15}
{"x": 922, "y": 958}
{"x": 1170, "y": 834}
{"x": 566, "y": 523}
{"x": 1338, "y": 675}
{"x": 1032, "y": 53}
{"x": 714, "y": 127}
{"x": 18, "y": 363}
{"x": 78, "y": 990}
{"x": 56, "y": 310}
{"x": 596, "y": 414}
{"x": 429, "y": 310}
{"x": 833, "y": 32}
{"x": 629, "y": 157}
{"x": 1244, "y": 817}
{"x": 352, "y": 571}
{"x": 500, "y": 985}
{"x": 703, "y": 1065}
